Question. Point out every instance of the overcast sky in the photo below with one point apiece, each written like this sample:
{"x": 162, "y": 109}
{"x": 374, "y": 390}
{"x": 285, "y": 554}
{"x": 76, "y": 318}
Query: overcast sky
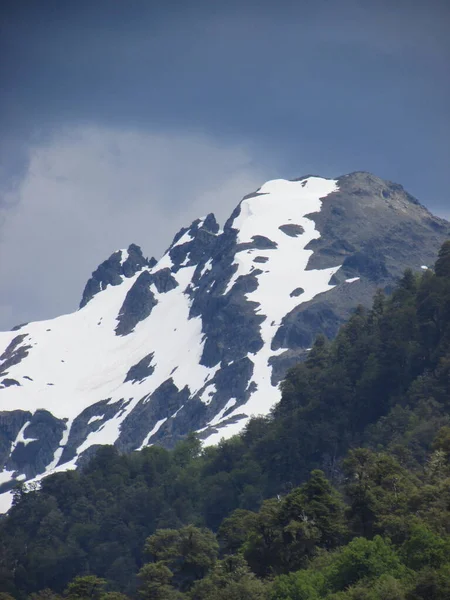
{"x": 121, "y": 121}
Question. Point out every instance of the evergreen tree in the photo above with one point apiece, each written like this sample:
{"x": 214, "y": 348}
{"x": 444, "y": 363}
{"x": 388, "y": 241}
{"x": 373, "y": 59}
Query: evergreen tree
{"x": 88, "y": 587}
{"x": 189, "y": 552}
{"x": 442, "y": 266}
{"x": 230, "y": 579}
{"x": 155, "y": 583}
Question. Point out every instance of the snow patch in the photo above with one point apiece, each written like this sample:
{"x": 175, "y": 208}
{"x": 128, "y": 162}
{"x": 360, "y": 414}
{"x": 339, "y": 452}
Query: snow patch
{"x": 58, "y": 452}
{"x": 165, "y": 262}
{"x": 226, "y": 432}
{"x": 176, "y": 412}
{"x": 5, "y": 476}
{"x": 220, "y": 415}
{"x": 184, "y": 239}
{"x": 208, "y": 393}
{"x": 152, "y": 432}
{"x": 21, "y": 439}
{"x": 206, "y": 267}
{"x": 123, "y": 256}
{"x": 94, "y": 418}
{"x": 6, "y": 500}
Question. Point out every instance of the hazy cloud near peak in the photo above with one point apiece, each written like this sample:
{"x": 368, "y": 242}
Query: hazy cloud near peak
{"x": 90, "y": 191}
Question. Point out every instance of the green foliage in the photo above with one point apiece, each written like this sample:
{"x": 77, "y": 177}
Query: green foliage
{"x": 424, "y": 548}
{"x": 318, "y": 502}
{"x": 378, "y": 489}
{"x": 5, "y": 596}
{"x": 442, "y": 266}
{"x": 302, "y": 585}
{"x": 113, "y": 596}
{"x": 432, "y": 585}
{"x": 155, "y": 583}
{"x": 385, "y": 587}
{"x": 235, "y": 529}
{"x": 189, "y": 552}
{"x": 230, "y": 579}
{"x": 364, "y": 559}
{"x": 442, "y": 441}
{"x": 88, "y": 587}
{"x": 42, "y": 595}
{"x": 362, "y": 570}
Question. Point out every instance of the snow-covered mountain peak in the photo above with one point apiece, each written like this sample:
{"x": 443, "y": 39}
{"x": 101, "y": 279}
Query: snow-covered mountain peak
{"x": 199, "y": 340}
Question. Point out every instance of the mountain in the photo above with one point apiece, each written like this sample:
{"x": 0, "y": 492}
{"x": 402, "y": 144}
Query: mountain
{"x": 342, "y": 492}
{"x": 199, "y": 340}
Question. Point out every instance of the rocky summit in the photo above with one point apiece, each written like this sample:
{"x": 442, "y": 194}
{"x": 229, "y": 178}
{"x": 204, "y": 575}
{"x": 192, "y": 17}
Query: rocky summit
{"x": 199, "y": 340}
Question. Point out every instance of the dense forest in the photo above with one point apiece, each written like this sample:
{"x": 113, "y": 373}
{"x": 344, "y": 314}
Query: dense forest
{"x": 342, "y": 493}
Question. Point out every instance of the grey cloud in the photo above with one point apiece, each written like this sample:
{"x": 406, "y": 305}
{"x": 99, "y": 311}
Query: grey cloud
{"x": 236, "y": 67}
{"x": 92, "y": 191}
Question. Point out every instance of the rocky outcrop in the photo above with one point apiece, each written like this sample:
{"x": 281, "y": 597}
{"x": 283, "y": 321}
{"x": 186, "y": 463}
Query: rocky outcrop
{"x": 41, "y": 438}
{"x": 141, "y": 370}
{"x": 14, "y": 353}
{"x": 88, "y": 421}
{"x": 28, "y": 443}
{"x": 137, "y": 306}
{"x": 123, "y": 263}
{"x": 165, "y": 401}
{"x": 11, "y": 422}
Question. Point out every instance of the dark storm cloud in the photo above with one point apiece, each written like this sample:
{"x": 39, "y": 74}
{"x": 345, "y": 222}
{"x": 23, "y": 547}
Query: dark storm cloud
{"x": 327, "y": 86}
{"x": 338, "y": 75}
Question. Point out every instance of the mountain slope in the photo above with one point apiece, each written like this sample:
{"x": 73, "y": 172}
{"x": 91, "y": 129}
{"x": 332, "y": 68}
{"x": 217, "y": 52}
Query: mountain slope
{"x": 370, "y": 409}
{"x": 200, "y": 339}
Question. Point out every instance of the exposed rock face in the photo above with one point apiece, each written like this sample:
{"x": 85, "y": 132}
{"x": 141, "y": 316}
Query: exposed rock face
{"x": 376, "y": 225}
{"x": 164, "y": 403}
{"x": 28, "y": 442}
{"x": 13, "y": 354}
{"x": 123, "y": 263}
{"x": 89, "y": 421}
{"x": 10, "y": 424}
{"x": 199, "y": 340}
{"x": 137, "y": 306}
{"x": 141, "y": 370}
{"x": 292, "y": 229}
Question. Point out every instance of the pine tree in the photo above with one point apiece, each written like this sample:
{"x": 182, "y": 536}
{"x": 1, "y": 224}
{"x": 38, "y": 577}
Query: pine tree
{"x": 442, "y": 265}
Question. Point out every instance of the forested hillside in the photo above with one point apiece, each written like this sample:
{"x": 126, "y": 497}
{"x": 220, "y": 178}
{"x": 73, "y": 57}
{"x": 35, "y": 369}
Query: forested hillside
{"x": 342, "y": 493}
